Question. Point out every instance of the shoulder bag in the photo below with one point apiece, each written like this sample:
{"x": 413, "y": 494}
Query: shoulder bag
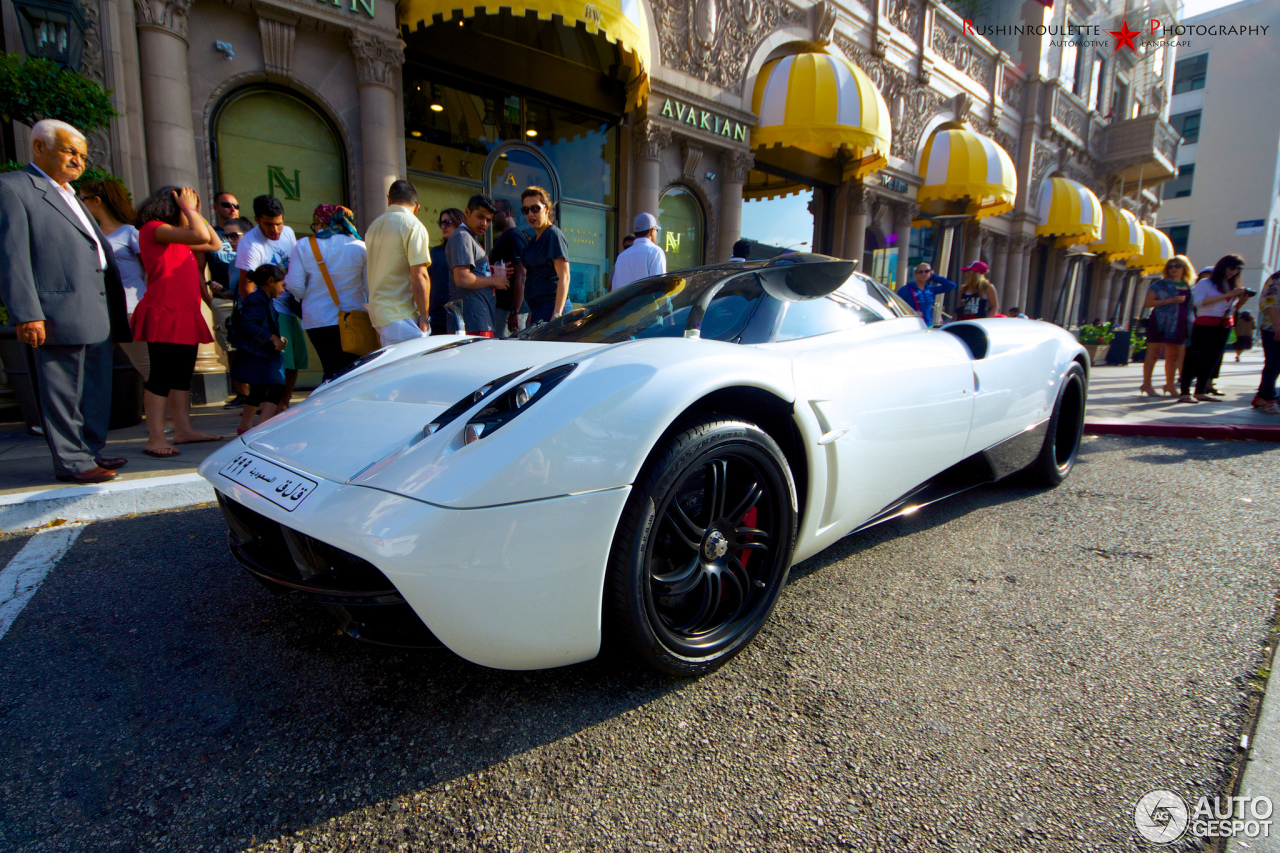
{"x": 356, "y": 332}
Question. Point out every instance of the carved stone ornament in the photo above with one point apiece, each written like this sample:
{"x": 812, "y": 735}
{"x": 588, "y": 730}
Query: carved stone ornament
{"x": 963, "y": 56}
{"x": 734, "y": 165}
{"x": 1044, "y": 160}
{"x": 862, "y": 199}
{"x": 1012, "y": 89}
{"x": 911, "y": 102}
{"x": 907, "y": 16}
{"x": 824, "y": 21}
{"x": 277, "y": 46}
{"x": 692, "y": 157}
{"x": 377, "y": 58}
{"x": 713, "y": 40}
{"x": 167, "y": 15}
{"x": 961, "y": 104}
{"x": 905, "y": 214}
{"x": 650, "y": 139}
{"x": 93, "y": 67}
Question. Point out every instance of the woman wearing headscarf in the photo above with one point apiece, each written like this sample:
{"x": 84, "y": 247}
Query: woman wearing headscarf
{"x": 1214, "y": 298}
{"x": 1169, "y": 324}
{"x": 339, "y": 244}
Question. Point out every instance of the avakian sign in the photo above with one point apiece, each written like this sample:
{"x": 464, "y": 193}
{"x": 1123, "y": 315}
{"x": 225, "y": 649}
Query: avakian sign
{"x": 705, "y": 120}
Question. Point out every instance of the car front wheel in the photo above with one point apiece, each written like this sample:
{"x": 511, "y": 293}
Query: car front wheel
{"x": 703, "y": 547}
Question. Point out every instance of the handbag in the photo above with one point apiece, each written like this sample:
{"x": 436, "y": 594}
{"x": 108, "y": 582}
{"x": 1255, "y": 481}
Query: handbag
{"x": 354, "y": 329}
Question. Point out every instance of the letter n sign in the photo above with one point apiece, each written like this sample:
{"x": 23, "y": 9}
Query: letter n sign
{"x": 290, "y": 191}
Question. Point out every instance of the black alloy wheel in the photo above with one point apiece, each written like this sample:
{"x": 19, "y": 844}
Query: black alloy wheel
{"x": 703, "y": 547}
{"x": 1066, "y": 426}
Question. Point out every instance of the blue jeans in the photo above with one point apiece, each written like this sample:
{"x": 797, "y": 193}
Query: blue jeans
{"x": 1270, "y": 365}
{"x": 541, "y": 312}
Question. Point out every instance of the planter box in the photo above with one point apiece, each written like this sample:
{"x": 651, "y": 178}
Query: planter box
{"x": 1097, "y": 353}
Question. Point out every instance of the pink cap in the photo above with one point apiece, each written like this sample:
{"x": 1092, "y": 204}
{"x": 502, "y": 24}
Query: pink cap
{"x": 976, "y": 266}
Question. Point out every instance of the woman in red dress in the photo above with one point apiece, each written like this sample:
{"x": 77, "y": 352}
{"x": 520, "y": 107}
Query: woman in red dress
{"x": 168, "y": 316}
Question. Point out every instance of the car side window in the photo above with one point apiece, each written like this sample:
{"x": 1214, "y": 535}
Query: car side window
{"x": 814, "y": 317}
{"x": 863, "y": 290}
{"x": 895, "y": 302}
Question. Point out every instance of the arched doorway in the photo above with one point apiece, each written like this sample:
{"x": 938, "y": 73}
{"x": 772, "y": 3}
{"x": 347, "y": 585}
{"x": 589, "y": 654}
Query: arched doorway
{"x": 683, "y": 235}
{"x": 269, "y": 141}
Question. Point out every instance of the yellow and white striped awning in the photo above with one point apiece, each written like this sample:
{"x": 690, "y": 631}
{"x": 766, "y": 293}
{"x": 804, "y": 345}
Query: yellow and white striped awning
{"x": 965, "y": 173}
{"x": 1069, "y": 211}
{"x": 1121, "y": 234}
{"x": 621, "y": 22}
{"x": 762, "y": 185}
{"x": 813, "y": 107}
{"x": 1157, "y": 249}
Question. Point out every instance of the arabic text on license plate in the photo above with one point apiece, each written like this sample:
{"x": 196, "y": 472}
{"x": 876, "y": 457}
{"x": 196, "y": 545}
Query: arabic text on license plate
{"x": 275, "y": 483}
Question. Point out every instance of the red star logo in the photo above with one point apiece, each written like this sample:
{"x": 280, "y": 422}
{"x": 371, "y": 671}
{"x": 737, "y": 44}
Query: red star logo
{"x": 1124, "y": 37}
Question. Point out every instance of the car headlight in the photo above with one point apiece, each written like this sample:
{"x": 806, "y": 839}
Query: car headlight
{"x": 505, "y": 406}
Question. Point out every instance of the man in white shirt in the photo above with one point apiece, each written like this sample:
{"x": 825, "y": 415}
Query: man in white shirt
{"x": 644, "y": 258}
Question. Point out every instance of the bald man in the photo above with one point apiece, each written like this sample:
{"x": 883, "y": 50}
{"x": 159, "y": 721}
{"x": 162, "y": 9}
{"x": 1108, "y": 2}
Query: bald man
{"x": 59, "y": 280}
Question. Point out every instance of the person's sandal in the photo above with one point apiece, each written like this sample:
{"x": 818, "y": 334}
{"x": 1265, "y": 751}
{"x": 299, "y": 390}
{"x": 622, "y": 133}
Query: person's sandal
{"x": 1271, "y": 408}
{"x": 1204, "y": 398}
{"x": 1187, "y": 398}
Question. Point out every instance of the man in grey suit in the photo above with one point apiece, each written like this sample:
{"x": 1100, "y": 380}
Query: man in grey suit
{"x": 59, "y": 280}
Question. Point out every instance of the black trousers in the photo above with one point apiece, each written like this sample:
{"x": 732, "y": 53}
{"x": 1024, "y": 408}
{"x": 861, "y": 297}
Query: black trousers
{"x": 1203, "y": 354}
{"x": 73, "y": 385}
{"x": 328, "y": 343}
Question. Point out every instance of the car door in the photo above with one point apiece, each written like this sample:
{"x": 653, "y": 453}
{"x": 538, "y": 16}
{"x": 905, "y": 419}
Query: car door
{"x": 893, "y": 400}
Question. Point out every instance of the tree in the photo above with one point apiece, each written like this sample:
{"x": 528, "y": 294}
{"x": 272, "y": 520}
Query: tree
{"x": 38, "y": 89}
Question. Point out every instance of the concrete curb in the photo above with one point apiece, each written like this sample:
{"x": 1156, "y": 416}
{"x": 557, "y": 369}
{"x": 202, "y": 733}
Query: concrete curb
{"x": 1156, "y": 429}
{"x": 27, "y": 510}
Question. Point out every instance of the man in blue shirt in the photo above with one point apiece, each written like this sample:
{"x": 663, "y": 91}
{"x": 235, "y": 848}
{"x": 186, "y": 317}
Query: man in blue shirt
{"x": 919, "y": 294}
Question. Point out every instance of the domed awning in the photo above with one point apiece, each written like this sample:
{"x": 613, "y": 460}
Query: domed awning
{"x": 621, "y": 22}
{"x": 965, "y": 173}
{"x": 820, "y": 116}
{"x": 1121, "y": 234}
{"x": 1157, "y": 249}
{"x": 762, "y": 185}
{"x": 1069, "y": 211}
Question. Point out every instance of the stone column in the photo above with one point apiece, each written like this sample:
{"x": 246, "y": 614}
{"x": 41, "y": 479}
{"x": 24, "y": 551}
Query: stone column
{"x": 166, "y": 92}
{"x": 377, "y": 60}
{"x": 1005, "y": 289}
{"x": 651, "y": 139}
{"x": 861, "y": 197}
{"x": 734, "y": 166}
{"x": 903, "y": 215}
{"x": 1027, "y": 248}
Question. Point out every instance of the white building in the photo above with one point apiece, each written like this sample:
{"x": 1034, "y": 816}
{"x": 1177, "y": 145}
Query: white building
{"x": 1226, "y": 197}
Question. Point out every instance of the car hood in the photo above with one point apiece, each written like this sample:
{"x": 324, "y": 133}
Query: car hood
{"x": 342, "y": 430}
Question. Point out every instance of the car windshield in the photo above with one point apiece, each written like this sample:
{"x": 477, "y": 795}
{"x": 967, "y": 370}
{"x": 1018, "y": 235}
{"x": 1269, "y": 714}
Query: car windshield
{"x": 658, "y": 307}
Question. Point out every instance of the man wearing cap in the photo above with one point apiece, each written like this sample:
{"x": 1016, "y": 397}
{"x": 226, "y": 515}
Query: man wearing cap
{"x": 977, "y": 297}
{"x": 644, "y": 258}
{"x": 920, "y": 293}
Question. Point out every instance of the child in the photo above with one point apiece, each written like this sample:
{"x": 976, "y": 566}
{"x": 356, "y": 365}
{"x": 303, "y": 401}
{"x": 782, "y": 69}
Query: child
{"x": 259, "y": 347}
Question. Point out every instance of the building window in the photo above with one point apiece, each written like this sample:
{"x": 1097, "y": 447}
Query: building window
{"x": 1188, "y": 74}
{"x": 1180, "y": 187}
{"x": 1120, "y": 99}
{"x": 1096, "y": 80}
{"x": 1187, "y": 125}
{"x": 683, "y": 235}
{"x": 1072, "y": 75}
{"x": 1178, "y": 235}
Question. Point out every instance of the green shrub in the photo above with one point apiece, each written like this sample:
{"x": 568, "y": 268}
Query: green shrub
{"x": 37, "y": 89}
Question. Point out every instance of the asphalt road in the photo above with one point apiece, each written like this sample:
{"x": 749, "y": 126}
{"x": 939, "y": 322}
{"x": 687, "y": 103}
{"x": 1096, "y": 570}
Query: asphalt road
{"x": 1007, "y": 671}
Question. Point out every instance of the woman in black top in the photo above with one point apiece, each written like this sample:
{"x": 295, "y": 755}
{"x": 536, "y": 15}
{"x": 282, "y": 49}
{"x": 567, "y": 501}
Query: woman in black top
{"x": 545, "y": 259}
{"x": 438, "y": 272}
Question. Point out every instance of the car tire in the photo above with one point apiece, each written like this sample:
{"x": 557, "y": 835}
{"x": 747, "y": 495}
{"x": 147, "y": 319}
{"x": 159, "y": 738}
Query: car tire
{"x": 703, "y": 547}
{"x": 1066, "y": 426}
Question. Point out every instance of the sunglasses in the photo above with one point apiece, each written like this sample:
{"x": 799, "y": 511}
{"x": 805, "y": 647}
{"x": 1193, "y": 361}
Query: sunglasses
{"x": 923, "y": 272}
{"x": 448, "y": 223}
{"x": 533, "y": 208}
{"x": 229, "y": 205}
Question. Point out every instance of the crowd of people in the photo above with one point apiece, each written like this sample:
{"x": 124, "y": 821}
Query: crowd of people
{"x": 1191, "y": 320}
{"x": 104, "y": 272}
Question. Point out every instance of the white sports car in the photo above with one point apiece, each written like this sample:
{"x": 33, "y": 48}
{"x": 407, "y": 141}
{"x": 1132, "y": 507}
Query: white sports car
{"x": 645, "y": 469}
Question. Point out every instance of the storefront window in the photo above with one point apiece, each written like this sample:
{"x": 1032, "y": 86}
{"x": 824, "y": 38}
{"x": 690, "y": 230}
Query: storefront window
{"x": 682, "y": 234}
{"x": 778, "y": 224}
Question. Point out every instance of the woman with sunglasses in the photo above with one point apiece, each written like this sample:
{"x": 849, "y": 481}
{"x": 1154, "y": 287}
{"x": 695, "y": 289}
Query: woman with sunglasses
{"x": 1214, "y": 298}
{"x": 1169, "y": 324}
{"x": 438, "y": 272}
{"x": 545, "y": 259}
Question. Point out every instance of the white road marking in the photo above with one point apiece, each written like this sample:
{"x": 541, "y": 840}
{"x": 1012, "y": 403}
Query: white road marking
{"x": 22, "y": 577}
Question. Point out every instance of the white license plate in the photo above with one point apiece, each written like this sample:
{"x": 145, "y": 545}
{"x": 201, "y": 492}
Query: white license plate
{"x": 276, "y": 483}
